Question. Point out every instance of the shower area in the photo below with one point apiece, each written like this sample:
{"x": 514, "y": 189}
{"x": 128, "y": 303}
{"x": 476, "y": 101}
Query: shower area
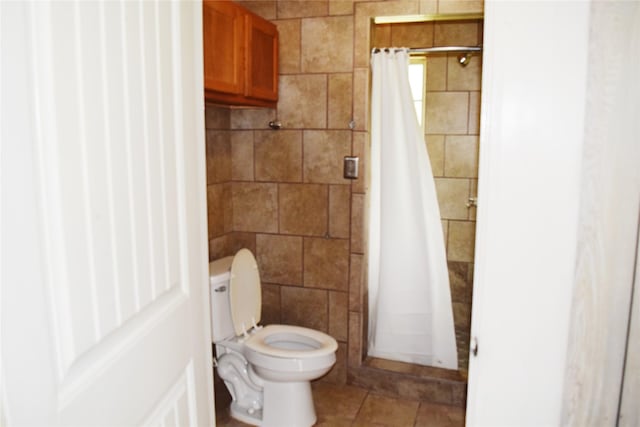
{"x": 446, "y": 70}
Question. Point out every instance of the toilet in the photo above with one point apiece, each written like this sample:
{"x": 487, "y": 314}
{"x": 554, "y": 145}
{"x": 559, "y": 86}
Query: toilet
{"x": 267, "y": 369}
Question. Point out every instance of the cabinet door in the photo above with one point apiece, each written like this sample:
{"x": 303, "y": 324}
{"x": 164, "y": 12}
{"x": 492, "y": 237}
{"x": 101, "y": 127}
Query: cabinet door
{"x": 223, "y": 25}
{"x": 261, "y": 59}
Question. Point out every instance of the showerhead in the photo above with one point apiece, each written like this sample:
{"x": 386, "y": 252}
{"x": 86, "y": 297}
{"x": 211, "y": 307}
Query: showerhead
{"x": 464, "y": 58}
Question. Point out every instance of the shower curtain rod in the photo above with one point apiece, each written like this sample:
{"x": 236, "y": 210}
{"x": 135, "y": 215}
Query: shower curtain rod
{"x": 440, "y": 49}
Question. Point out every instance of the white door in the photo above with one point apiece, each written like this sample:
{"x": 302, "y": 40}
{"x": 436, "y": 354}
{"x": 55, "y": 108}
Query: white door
{"x": 104, "y": 252}
{"x": 531, "y": 150}
{"x": 558, "y": 214}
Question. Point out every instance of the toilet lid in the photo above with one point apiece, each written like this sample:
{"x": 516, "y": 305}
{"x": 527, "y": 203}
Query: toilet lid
{"x": 244, "y": 292}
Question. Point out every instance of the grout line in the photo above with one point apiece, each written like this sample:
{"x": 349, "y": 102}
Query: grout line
{"x": 328, "y": 224}
{"x": 468, "y": 112}
{"x": 366, "y": 396}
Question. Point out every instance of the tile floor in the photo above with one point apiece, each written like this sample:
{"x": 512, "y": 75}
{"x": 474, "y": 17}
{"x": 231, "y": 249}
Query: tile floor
{"x": 344, "y": 405}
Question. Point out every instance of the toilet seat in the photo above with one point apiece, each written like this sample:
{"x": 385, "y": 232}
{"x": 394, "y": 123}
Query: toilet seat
{"x": 284, "y": 353}
{"x": 294, "y": 343}
{"x": 291, "y": 342}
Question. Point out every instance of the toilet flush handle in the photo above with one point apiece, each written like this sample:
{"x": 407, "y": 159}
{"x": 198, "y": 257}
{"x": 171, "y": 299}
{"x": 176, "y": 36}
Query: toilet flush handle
{"x": 222, "y": 288}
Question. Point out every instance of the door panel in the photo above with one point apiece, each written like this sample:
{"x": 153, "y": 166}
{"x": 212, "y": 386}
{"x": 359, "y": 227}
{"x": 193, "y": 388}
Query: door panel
{"x": 115, "y": 176}
{"x": 524, "y": 261}
{"x": 553, "y": 283}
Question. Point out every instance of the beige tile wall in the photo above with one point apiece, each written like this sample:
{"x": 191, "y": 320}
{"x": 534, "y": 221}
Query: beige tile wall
{"x": 281, "y": 193}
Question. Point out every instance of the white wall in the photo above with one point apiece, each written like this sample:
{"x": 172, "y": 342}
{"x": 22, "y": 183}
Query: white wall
{"x": 608, "y": 220}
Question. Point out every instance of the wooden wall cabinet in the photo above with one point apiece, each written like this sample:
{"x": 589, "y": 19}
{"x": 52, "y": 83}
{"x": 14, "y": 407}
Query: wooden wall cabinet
{"x": 240, "y": 56}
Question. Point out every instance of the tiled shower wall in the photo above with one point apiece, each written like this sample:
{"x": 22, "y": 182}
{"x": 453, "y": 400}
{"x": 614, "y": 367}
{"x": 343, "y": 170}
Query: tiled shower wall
{"x": 281, "y": 193}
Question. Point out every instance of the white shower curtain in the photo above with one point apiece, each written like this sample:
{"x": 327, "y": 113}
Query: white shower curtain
{"x": 410, "y": 314}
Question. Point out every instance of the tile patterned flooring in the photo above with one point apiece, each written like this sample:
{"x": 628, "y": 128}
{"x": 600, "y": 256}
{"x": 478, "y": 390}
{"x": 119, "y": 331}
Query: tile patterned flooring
{"x": 345, "y": 405}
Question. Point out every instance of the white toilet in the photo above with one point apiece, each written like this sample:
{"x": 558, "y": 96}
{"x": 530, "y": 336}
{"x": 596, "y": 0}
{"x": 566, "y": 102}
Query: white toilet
{"x": 266, "y": 369}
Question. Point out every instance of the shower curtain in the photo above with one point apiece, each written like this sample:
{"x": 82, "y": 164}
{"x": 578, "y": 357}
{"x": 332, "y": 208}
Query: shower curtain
{"x": 410, "y": 314}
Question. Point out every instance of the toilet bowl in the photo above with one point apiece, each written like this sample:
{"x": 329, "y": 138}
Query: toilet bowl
{"x": 267, "y": 369}
{"x": 290, "y": 353}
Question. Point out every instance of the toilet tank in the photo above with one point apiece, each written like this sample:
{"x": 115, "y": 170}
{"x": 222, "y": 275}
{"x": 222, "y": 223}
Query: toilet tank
{"x": 219, "y": 275}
